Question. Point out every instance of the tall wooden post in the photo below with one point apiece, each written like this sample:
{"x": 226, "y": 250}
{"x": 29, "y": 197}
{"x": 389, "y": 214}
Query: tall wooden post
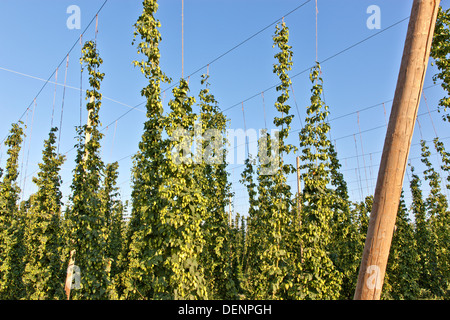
{"x": 396, "y": 149}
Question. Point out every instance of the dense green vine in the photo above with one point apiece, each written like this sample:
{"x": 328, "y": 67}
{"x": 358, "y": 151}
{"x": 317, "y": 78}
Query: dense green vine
{"x": 180, "y": 242}
{"x": 139, "y": 280}
{"x": 345, "y": 235}
{"x": 113, "y": 209}
{"x": 12, "y": 222}
{"x": 401, "y": 273}
{"x": 440, "y": 50}
{"x": 437, "y": 209}
{"x": 186, "y": 207}
{"x": 44, "y": 271}
{"x": 86, "y": 224}
{"x": 319, "y": 278}
{"x": 211, "y": 174}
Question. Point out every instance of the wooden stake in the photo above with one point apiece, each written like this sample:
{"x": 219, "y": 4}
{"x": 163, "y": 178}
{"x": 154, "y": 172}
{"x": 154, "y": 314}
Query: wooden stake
{"x": 396, "y": 149}
{"x": 68, "y": 285}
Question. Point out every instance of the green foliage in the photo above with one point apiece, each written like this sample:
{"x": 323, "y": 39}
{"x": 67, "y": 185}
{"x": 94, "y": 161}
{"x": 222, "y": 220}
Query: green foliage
{"x": 443, "y": 223}
{"x": 270, "y": 260}
{"x": 212, "y": 176}
{"x": 44, "y": 271}
{"x": 445, "y": 157}
{"x": 239, "y": 255}
{"x": 112, "y": 209}
{"x": 421, "y": 230}
{"x": 139, "y": 280}
{"x": 12, "y": 222}
{"x": 319, "y": 278}
{"x": 436, "y": 207}
{"x": 254, "y": 241}
{"x": 168, "y": 205}
{"x": 185, "y": 208}
{"x": 281, "y": 68}
{"x": 440, "y": 50}
{"x": 85, "y": 220}
{"x": 401, "y": 281}
{"x": 181, "y": 242}
{"x": 346, "y": 238}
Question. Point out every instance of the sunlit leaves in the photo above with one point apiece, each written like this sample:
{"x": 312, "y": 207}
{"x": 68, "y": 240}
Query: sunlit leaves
{"x": 440, "y": 50}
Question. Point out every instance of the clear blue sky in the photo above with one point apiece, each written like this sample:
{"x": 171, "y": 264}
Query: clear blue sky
{"x": 35, "y": 39}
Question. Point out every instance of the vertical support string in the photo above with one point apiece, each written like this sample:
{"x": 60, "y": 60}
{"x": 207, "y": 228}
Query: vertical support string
{"x": 429, "y": 113}
{"x": 24, "y": 142}
{"x": 296, "y": 106}
{"x": 370, "y": 170}
{"x": 245, "y": 130}
{"x": 420, "y": 128}
{"x": 407, "y": 174}
{"x": 362, "y": 153}
{"x": 232, "y": 200}
{"x": 182, "y": 38}
{"x": 359, "y": 183}
{"x": 96, "y": 28}
{"x": 436, "y": 135}
{"x": 325, "y": 102}
{"x": 317, "y": 11}
{"x": 29, "y": 147}
{"x": 54, "y": 97}
{"x": 264, "y": 109}
{"x": 62, "y": 105}
{"x": 81, "y": 81}
{"x": 163, "y": 98}
{"x": 103, "y": 149}
{"x": 359, "y": 171}
{"x": 114, "y": 136}
{"x": 385, "y": 117}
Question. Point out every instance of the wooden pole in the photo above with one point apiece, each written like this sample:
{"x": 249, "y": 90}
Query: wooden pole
{"x": 69, "y": 275}
{"x": 396, "y": 149}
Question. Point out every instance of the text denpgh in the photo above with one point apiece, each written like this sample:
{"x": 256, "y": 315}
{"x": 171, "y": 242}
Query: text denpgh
{"x": 227, "y": 309}
{"x": 246, "y": 309}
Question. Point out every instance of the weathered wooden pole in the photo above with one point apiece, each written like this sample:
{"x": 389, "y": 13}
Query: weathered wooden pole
{"x": 396, "y": 149}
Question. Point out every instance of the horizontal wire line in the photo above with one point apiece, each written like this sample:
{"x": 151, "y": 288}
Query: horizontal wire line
{"x": 62, "y": 61}
{"x": 323, "y": 61}
{"x": 70, "y": 87}
{"x": 249, "y": 98}
{"x": 274, "y": 86}
{"x": 241, "y": 43}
